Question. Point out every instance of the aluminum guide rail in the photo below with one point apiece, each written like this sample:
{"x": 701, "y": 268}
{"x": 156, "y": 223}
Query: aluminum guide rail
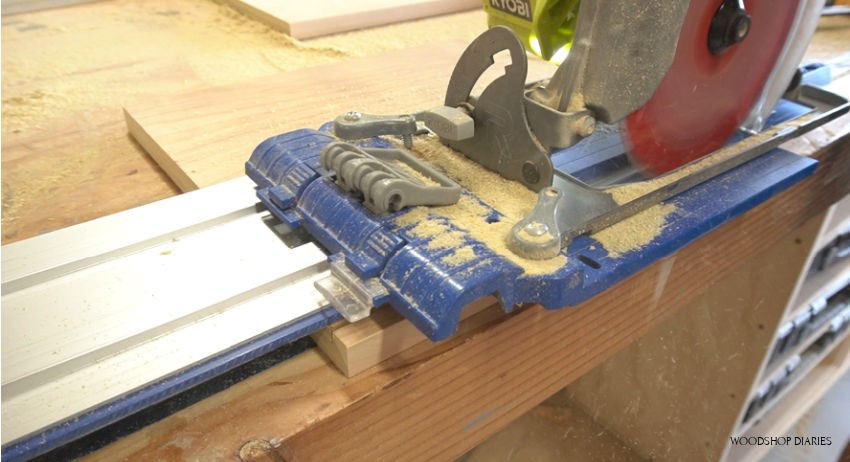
{"x": 99, "y": 310}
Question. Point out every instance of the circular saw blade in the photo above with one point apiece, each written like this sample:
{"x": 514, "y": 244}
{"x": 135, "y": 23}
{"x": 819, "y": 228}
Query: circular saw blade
{"x": 704, "y": 97}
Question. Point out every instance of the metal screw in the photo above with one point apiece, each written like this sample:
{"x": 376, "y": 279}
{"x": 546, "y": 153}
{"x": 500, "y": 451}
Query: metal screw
{"x": 408, "y": 141}
{"x": 530, "y": 173}
{"x": 352, "y": 116}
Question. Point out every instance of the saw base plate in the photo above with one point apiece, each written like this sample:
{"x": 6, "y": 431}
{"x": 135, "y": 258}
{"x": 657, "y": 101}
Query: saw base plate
{"x": 430, "y": 283}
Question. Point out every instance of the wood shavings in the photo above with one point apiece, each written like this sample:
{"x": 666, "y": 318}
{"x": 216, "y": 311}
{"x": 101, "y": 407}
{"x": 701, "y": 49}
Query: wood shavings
{"x": 635, "y": 231}
{"x": 511, "y": 199}
{"x": 411, "y": 172}
{"x": 640, "y": 229}
{"x": 460, "y": 256}
{"x": 627, "y": 193}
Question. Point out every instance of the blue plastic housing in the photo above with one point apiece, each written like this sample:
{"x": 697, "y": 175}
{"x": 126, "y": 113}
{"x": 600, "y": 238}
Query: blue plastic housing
{"x": 429, "y": 288}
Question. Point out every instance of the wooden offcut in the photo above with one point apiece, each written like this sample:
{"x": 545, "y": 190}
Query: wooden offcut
{"x": 10, "y": 7}
{"x": 355, "y": 347}
{"x": 205, "y": 136}
{"x": 316, "y": 18}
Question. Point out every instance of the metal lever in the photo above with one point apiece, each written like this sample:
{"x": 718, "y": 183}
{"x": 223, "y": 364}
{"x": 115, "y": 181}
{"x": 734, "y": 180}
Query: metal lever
{"x": 355, "y": 125}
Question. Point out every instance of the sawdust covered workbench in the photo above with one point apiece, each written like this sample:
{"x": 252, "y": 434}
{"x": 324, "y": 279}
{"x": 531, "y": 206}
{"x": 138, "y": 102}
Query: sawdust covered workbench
{"x": 67, "y": 73}
{"x": 67, "y": 158}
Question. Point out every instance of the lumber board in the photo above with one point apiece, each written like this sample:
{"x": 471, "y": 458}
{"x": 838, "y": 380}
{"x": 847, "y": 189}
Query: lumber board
{"x": 323, "y": 17}
{"x": 355, "y": 347}
{"x": 203, "y": 137}
{"x": 437, "y": 402}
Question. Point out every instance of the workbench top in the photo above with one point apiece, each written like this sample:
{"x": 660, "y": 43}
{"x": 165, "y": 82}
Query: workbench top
{"x": 67, "y": 73}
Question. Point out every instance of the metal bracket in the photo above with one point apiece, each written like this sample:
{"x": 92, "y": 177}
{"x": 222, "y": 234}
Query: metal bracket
{"x": 502, "y": 141}
{"x": 559, "y": 216}
{"x": 355, "y": 125}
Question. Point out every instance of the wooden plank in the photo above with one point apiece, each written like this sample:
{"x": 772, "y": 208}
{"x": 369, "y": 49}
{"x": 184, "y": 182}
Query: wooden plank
{"x": 323, "y": 17}
{"x": 355, "y": 347}
{"x": 66, "y": 156}
{"x": 204, "y": 137}
{"x": 437, "y": 403}
{"x": 699, "y": 364}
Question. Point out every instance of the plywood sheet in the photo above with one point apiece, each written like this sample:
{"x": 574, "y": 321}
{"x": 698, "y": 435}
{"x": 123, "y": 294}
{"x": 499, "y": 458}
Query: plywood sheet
{"x": 203, "y": 137}
{"x": 313, "y": 19}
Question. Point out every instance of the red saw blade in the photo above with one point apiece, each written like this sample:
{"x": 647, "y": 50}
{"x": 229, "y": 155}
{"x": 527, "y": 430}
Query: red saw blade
{"x": 704, "y": 97}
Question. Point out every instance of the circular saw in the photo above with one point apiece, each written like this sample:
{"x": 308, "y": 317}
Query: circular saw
{"x": 677, "y": 79}
{"x": 706, "y": 67}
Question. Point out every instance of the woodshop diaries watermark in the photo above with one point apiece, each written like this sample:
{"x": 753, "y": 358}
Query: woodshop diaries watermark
{"x": 781, "y": 440}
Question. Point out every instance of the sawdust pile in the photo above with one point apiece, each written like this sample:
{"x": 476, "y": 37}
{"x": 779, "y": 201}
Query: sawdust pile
{"x": 514, "y": 201}
{"x": 411, "y": 172}
{"x": 635, "y": 231}
{"x": 643, "y": 227}
{"x": 174, "y": 47}
{"x": 509, "y": 198}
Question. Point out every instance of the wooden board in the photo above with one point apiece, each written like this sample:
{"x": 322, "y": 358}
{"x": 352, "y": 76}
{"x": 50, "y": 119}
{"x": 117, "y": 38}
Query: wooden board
{"x": 322, "y": 17}
{"x": 437, "y": 402}
{"x": 355, "y": 347}
{"x": 204, "y": 137}
{"x": 553, "y": 432}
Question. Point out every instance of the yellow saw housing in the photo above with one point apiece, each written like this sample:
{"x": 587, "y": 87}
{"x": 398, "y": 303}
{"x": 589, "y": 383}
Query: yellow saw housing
{"x": 545, "y": 27}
